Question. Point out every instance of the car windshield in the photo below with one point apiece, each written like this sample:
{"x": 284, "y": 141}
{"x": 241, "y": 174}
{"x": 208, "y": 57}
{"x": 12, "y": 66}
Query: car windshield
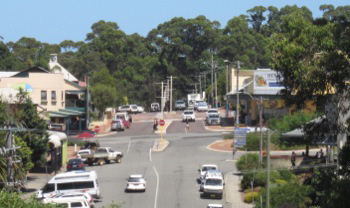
{"x": 180, "y": 102}
{"x": 188, "y": 112}
{"x": 213, "y": 182}
{"x": 208, "y": 168}
{"x": 136, "y": 180}
{"x": 74, "y": 161}
{"x": 125, "y": 106}
{"x": 212, "y": 111}
{"x": 202, "y": 104}
{"x": 213, "y": 116}
{"x": 84, "y": 152}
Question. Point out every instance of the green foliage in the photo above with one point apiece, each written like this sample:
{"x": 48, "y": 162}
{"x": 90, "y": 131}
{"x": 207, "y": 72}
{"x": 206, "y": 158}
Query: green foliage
{"x": 103, "y": 96}
{"x": 13, "y": 200}
{"x": 287, "y": 195}
{"x": 248, "y": 162}
{"x": 253, "y": 141}
{"x": 251, "y": 196}
{"x": 78, "y": 142}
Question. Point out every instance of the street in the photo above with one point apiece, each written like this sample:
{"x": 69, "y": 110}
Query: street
{"x": 171, "y": 175}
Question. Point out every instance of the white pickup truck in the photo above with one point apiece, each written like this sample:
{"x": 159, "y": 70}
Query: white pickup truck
{"x": 103, "y": 155}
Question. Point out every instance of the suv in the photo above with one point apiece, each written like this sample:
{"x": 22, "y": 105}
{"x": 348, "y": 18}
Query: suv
{"x": 209, "y": 173}
{"x": 213, "y": 119}
{"x": 202, "y": 106}
{"x": 213, "y": 185}
{"x": 180, "y": 105}
{"x": 204, "y": 169}
{"x": 117, "y": 125}
{"x": 155, "y": 107}
{"x": 188, "y": 115}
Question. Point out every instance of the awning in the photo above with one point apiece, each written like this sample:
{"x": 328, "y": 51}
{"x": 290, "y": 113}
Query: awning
{"x": 61, "y": 135}
{"x": 295, "y": 133}
{"x": 55, "y": 140}
{"x": 64, "y": 113}
{"x": 74, "y": 92}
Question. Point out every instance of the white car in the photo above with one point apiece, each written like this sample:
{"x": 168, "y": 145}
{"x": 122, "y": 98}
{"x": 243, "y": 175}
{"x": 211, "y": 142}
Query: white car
{"x": 76, "y": 195}
{"x": 82, "y": 153}
{"x": 212, "y": 111}
{"x": 188, "y": 115}
{"x": 133, "y": 109}
{"x": 124, "y": 108}
{"x": 202, "y": 106}
{"x": 135, "y": 183}
{"x": 68, "y": 202}
{"x": 215, "y": 206}
{"x": 204, "y": 169}
{"x": 140, "y": 109}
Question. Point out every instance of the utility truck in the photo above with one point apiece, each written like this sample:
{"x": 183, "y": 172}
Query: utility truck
{"x": 103, "y": 155}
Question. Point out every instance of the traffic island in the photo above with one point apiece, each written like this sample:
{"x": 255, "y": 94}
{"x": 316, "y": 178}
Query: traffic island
{"x": 160, "y": 145}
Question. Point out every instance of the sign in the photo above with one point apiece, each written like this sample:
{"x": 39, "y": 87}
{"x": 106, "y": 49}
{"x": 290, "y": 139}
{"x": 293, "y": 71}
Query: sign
{"x": 161, "y": 122}
{"x": 97, "y": 128}
{"x": 240, "y": 136}
{"x": 267, "y": 82}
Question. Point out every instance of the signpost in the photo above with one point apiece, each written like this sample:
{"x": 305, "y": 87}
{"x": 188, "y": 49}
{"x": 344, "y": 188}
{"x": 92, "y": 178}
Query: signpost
{"x": 161, "y": 122}
{"x": 97, "y": 129}
{"x": 240, "y": 136}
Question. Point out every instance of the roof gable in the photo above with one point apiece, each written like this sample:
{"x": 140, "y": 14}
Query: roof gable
{"x": 35, "y": 69}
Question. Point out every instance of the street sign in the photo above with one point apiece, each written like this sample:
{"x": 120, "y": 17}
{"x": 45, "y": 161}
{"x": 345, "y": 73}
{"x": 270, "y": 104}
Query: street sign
{"x": 97, "y": 128}
{"x": 240, "y": 136}
{"x": 161, "y": 122}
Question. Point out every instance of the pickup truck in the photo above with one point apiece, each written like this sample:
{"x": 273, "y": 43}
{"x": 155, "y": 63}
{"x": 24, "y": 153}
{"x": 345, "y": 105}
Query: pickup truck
{"x": 103, "y": 155}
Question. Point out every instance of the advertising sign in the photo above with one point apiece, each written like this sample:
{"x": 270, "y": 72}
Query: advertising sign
{"x": 240, "y": 136}
{"x": 267, "y": 82}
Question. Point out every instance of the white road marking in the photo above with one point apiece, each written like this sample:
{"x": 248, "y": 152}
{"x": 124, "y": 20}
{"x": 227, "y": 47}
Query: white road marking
{"x": 156, "y": 196}
{"x": 150, "y": 154}
{"x": 128, "y": 146}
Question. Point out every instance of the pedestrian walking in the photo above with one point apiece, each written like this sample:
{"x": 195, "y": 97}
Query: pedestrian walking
{"x": 155, "y": 125}
{"x": 234, "y": 150}
{"x": 187, "y": 126}
{"x": 292, "y": 159}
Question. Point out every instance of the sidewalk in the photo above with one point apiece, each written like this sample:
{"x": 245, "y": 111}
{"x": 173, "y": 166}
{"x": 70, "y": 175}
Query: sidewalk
{"x": 233, "y": 192}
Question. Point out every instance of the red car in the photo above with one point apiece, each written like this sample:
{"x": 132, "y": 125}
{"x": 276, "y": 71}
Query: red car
{"x": 126, "y": 123}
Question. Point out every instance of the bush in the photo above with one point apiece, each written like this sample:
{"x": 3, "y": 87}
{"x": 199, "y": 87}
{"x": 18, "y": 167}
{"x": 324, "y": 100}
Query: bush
{"x": 248, "y": 162}
{"x": 253, "y": 141}
{"x": 13, "y": 199}
{"x": 78, "y": 142}
{"x": 251, "y": 196}
{"x": 228, "y": 136}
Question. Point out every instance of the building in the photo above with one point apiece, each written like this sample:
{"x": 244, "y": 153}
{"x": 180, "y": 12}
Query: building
{"x": 59, "y": 97}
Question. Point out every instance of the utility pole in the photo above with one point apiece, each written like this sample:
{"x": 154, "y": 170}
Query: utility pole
{"x": 226, "y": 91}
{"x": 168, "y": 94}
{"x": 237, "y": 95}
{"x": 212, "y": 77}
{"x": 260, "y": 106}
{"x": 9, "y": 156}
{"x": 171, "y": 94}
{"x": 268, "y": 169}
{"x": 216, "y": 89}
{"x": 162, "y": 101}
{"x": 87, "y": 103}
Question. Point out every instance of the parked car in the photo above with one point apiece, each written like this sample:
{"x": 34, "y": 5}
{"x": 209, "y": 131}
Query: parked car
{"x": 215, "y": 206}
{"x": 123, "y": 115}
{"x": 117, "y": 125}
{"x": 155, "y": 107}
{"x": 133, "y": 109}
{"x": 140, "y": 109}
{"x": 83, "y": 152}
{"x": 76, "y": 195}
{"x": 213, "y": 185}
{"x": 135, "y": 183}
{"x": 124, "y": 108}
{"x": 75, "y": 164}
{"x": 188, "y": 115}
{"x": 180, "y": 105}
{"x": 79, "y": 202}
{"x": 104, "y": 155}
{"x": 213, "y": 119}
{"x": 212, "y": 111}
{"x": 202, "y": 106}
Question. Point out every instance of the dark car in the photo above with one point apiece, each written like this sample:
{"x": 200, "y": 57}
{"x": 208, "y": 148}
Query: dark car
{"x": 75, "y": 164}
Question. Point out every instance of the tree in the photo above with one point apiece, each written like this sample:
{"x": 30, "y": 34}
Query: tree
{"x": 103, "y": 96}
{"x": 257, "y": 17}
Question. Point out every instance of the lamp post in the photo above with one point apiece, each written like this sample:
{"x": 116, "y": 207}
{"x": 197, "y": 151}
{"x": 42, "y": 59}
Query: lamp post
{"x": 227, "y": 61}
{"x": 237, "y": 94}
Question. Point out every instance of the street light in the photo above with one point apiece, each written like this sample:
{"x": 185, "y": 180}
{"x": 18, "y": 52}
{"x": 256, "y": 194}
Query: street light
{"x": 227, "y": 61}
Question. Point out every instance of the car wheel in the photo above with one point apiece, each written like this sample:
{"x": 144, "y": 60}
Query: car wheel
{"x": 118, "y": 160}
{"x": 101, "y": 162}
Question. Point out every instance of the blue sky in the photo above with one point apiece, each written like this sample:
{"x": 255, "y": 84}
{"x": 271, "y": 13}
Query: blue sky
{"x": 53, "y": 21}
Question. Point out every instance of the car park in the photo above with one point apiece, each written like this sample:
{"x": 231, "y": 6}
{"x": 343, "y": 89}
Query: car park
{"x": 204, "y": 169}
{"x": 202, "y": 106}
{"x": 75, "y": 164}
{"x": 74, "y": 181}
{"x": 213, "y": 119}
{"x": 155, "y": 107}
{"x": 180, "y": 105}
{"x": 117, "y": 125}
{"x": 135, "y": 182}
{"x": 188, "y": 115}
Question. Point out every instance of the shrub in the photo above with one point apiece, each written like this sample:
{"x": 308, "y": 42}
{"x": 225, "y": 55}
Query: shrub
{"x": 260, "y": 178}
{"x": 248, "y": 162}
{"x": 251, "y": 196}
{"x": 253, "y": 141}
{"x": 78, "y": 142}
{"x": 228, "y": 136}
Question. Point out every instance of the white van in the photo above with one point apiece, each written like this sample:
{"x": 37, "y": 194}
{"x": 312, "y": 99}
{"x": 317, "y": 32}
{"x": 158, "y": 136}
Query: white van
{"x": 213, "y": 185}
{"x": 84, "y": 181}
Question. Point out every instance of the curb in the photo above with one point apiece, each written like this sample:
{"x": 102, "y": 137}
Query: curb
{"x": 157, "y": 147}
{"x": 216, "y": 150}
{"x": 107, "y": 134}
{"x": 218, "y": 130}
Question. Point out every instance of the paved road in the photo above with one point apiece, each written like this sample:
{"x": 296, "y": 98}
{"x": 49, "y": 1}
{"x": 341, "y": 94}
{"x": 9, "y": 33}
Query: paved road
{"x": 171, "y": 175}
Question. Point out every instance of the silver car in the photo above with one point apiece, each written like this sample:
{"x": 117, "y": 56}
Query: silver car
{"x": 213, "y": 119}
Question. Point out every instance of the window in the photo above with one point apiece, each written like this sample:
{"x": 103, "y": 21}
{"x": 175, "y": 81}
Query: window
{"x": 49, "y": 188}
{"x": 53, "y": 96}
{"x": 75, "y": 185}
{"x": 76, "y": 204}
{"x": 43, "y": 97}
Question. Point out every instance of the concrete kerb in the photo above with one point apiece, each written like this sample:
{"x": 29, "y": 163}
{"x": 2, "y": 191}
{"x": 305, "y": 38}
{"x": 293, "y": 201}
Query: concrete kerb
{"x": 107, "y": 134}
{"x": 160, "y": 145}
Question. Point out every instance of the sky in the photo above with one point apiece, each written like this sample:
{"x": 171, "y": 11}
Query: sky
{"x": 53, "y": 21}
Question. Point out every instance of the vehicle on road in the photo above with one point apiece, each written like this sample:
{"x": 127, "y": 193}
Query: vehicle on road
{"x": 135, "y": 182}
{"x": 83, "y": 152}
{"x": 124, "y": 108}
{"x": 126, "y": 123}
{"x": 74, "y": 181}
{"x": 180, "y": 105}
{"x": 103, "y": 155}
{"x": 212, "y": 111}
{"x": 204, "y": 169}
{"x": 208, "y": 174}
{"x": 77, "y": 202}
{"x": 155, "y": 107}
{"x": 188, "y": 115}
{"x": 123, "y": 115}
{"x": 76, "y": 195}
{"x": 140, "y": 109}
{"x": 133, "y": 109}
{"x": 215, "y": 206}
{"x": 117, "y": 125}
{"x": 202, "y": 106}
{"x": 213, "y": 119}
{"x": 75, "y": 164}
{"x": 213, "y": 185}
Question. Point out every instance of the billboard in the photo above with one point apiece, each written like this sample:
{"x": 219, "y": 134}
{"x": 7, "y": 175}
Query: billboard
{"x": 266, "y": 82}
